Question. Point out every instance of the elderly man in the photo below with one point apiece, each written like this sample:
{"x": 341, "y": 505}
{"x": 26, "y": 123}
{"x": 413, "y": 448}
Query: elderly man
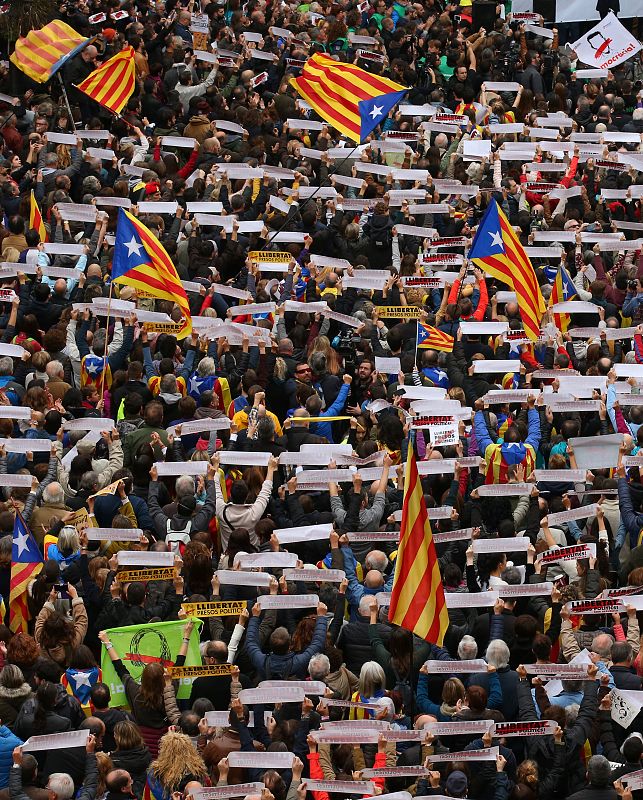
{"x": 49, "y": 163}
{"x": 56, "y": 383}
{"x": 53, "y": 507}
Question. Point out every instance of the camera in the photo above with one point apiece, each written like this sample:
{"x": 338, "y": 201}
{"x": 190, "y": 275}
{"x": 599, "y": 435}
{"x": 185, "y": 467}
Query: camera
{"x": 632, "y": 286}
{"x": 62, "y": 590}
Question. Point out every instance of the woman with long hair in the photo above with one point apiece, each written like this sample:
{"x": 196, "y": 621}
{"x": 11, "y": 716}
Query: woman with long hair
{"x": 177, "y": 764}
{"x": 39, "y": 717}
{"x": 321, "y": 344}
{"x": 372, "y": 687}
{"x": 14, "y": 690}
{"x": 239, "y": 542}
{"x": 131, "y": 753}
{"x": 58, "y": 636}
{"x": 151, "y": 700}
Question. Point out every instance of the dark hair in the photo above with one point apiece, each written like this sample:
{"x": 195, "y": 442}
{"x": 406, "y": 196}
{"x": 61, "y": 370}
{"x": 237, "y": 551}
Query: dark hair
{"x": 46, "y": 697}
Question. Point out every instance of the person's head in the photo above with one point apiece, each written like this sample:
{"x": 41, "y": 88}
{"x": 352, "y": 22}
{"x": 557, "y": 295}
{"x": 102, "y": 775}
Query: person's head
{"x": 22, "y": 650}
{"x": 152, "y": 686}
{"x": 467, "y": 648}
{"x": 319, "y": 667}
{"x": 497, "y": 654}
{"x": 371, "y": 679}
{"x": 602, "y": 645}
{"x": 11, "y": 678}
{"x": 599, "y": 772}
{"x": 452, "y": 691}
{"x": 127, "y": 735}
{"x": 177, "y": 758}
{"x": 621, "y": 654}
{"x": 119, "y": 781}
{"x": 100, "y": 696}
{"x": 60, "y": 786}
{"x": 216, "y": 652}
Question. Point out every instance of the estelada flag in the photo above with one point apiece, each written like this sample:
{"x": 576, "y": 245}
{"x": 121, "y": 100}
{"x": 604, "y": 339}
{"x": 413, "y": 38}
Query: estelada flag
{"x": 113, "y": 83}
{"x": 40, "y": 54}
{"x": 430, "y": 338}
{"x": 417, "y": 597}
{"x": 350, "y": 99}
{"x": 141, "y": 261}
{"x": 498, "y": 251}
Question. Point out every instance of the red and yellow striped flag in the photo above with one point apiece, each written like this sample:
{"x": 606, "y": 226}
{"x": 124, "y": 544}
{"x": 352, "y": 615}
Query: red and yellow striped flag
{"x": 41, "y": 53}
{"x": 350, "y": 99}
{"x": 26, "y": 563}
{"x": 498, "y": 251}
{"x": 112, "y": 84}
{"x": 35, "y": 219}
{"x": 430, "y": 338}
{"x": 417, "y": 599}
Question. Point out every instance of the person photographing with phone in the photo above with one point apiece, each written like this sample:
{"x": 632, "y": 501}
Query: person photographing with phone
{"x": 56, "y": 634}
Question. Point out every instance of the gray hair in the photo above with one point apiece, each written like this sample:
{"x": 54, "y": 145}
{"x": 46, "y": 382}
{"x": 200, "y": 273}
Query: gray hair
{"x": 53, "y": 493}
{"x": 497, "y": 654}
{"x": 54, "y": 368}
{"x": 6, "y": 366}
{"x": 168, "y": 383}
{"x": 364, "y": 607}
{"x": 377, "y": 560}
{"x": 371, "y": 679}
{"x": 206, "y": 367}
{"x": 61, "y": 784}
{"x": 6, "y": 546}
{"x": 468, "y": 648}
{"x": 184, "y": 485}
{"x": 602, "y": 645}
{"x": 599, "y": 772}
{"x": 89, "y": 480}
{"x": 319, "y": 667}
{"x": 68, "y": 540}
{"x": 265, "y": 429}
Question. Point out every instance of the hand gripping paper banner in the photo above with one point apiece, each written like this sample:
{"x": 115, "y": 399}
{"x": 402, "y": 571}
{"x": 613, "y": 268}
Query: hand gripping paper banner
{"x": 156, "y": 643}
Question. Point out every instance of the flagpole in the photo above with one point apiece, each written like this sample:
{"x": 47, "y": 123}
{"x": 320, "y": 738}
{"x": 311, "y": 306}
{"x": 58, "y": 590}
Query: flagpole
{"x": 312, "y": 196}
{"x": 62, "y": 86}
{"x": 106, "y": 357}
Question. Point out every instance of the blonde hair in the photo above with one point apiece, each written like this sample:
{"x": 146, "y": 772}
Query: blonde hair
{"x": 177, "y": 758}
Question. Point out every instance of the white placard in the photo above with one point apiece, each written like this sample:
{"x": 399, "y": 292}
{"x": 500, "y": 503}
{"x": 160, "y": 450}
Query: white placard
{"x": 626, "y": 705}
{"x": 564, "y": 475}
{"x": 259, "y": 760}
{"x": 244, "y": 458}
{"x": 186, "y": 142}
{"x": 89, "y": 424}
{"x": 215, "y": 719}
{"x": 471, "y": 599}
{"x": 597, "y": 452}
{"x": 267, "y": 560}
{"x": 583, "y": 512}
{"x": 15, "y": 481}
{"x": 543, "y": 727}
{"x": 514, "y": 544}
{"x": 496, "y": 367}
{"x": 485, "y": 754}
{"x": 113, "y": 534}
{"x": 303, "y": 534}
{"x": 15, "y": 412}
{"x": 469, "y": 667}
{"x": 143, "y": 558}
{"x": 312, "y": 575}
{"x": 56, "y": 741}
{"x": 505, "y": 490}
{"x": 236, "y": 577}
{"x": 167, "y": 469}
{"x": 571, "y": 553}
{"x": 280, "y": 602}
{"x": 26, "y": 445}
{"x": 527, "y": 590}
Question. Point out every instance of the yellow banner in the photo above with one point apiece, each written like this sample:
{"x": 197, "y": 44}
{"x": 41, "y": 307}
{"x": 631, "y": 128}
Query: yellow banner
{"x": 385, "y": 312}
{"x": 152, "y": 574}
{"x": 223, "y": 608}
{"x": 111, "y": 489}
{"x": 200, "y": 672}
{"x": 77, "y": 518}
{"x": 163, "y": 327}
{"x": 269, "y": 258}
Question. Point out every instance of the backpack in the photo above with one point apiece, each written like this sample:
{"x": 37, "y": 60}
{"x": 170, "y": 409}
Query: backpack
{"x": 404, "y": 688}
{"x": 381, "y": 239}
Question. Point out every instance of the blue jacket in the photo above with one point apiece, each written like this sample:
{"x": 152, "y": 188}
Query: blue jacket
{"x": 326, "y": 428}
{"x": 357, "y": 590}
{"x": 8, "y": 741}
{"x": 281, "y": 666}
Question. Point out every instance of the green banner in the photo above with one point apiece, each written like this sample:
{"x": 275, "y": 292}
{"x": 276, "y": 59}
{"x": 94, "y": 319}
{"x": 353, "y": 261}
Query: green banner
{"x": 138, "y": 645}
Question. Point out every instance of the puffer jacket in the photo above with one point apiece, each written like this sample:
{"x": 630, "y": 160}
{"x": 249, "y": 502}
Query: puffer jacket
{"x": 8, "y": 741}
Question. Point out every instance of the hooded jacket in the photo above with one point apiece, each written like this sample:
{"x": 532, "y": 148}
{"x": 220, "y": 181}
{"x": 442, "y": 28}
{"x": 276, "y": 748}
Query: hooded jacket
{"x": 11, "y": 701}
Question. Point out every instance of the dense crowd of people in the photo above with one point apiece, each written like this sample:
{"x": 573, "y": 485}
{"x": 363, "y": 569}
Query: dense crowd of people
{"x": 261, "y": 459}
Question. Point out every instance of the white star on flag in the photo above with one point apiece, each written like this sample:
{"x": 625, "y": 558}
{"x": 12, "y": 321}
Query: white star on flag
{"x": 377, "y": 111}
{"x": 81, "y": 679}
{"x": 496, "y": 239}
{"x": 22, "y": 541}
{"x": 133, "y": 247}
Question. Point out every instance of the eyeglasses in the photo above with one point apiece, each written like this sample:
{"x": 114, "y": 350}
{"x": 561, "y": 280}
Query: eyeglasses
{"x": 303, "y": 371}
